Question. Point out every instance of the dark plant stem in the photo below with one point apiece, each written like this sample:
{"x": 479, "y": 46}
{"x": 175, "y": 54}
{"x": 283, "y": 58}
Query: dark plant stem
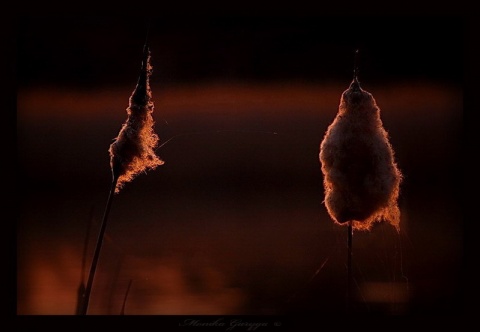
{"x": 98, "y": 247}
{"x": 125, "y": 299}
{"x": 81, "y": 287}
{"x": 349, "y": 267}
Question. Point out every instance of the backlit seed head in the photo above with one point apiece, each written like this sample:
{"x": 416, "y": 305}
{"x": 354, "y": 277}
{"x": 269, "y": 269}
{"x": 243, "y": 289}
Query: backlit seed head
{"x": 133, "y": 150}
{"x": 361, "y": 178}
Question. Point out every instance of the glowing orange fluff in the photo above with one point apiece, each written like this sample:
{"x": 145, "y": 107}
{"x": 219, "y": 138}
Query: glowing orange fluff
{"x": 361, "y": 178}
{"x": 133, "y": 150}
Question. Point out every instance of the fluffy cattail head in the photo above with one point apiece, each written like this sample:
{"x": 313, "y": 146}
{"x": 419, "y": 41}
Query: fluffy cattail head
{"x": 361, "y": 178}
{"x": 133, "y": 152}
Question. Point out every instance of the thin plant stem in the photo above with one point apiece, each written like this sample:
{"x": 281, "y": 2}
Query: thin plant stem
{"x": 349, "y": 267}
{"x": 125, "y": 298}
{"x": 98, "y": 247}
{"x": 81, "y": 287}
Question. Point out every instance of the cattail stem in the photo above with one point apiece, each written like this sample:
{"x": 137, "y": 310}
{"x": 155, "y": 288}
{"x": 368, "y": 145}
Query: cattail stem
{"x": 349, "y": 267}
{"x": 81, "y": 287}
{"x": 126, "y": 296}
{"x": 98, "y": 247}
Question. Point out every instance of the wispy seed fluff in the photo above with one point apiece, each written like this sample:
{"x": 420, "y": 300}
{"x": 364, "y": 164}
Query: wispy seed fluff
{"x": 361, "y": 178}
{"x": 133, "y": 152}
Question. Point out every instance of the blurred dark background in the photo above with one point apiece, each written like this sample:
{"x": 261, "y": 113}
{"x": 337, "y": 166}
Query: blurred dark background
{"x": 233, "y": 223}
{"x": 89, "y": 52}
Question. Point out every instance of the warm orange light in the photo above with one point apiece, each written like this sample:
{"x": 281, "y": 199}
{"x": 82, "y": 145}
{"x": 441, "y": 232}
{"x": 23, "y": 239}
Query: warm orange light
{"x": 263, "y": 99}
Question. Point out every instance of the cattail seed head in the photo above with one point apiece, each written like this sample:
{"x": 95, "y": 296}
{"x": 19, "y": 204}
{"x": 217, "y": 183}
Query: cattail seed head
{"x": 361, "y": 178}
{"x": 133, "y": 150}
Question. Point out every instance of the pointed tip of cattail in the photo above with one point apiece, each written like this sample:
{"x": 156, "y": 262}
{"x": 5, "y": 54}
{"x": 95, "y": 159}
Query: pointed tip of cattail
{"x": 146, "y": 55}
{"x": 141, "y": 94}
{"x": 355, "y": 85}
